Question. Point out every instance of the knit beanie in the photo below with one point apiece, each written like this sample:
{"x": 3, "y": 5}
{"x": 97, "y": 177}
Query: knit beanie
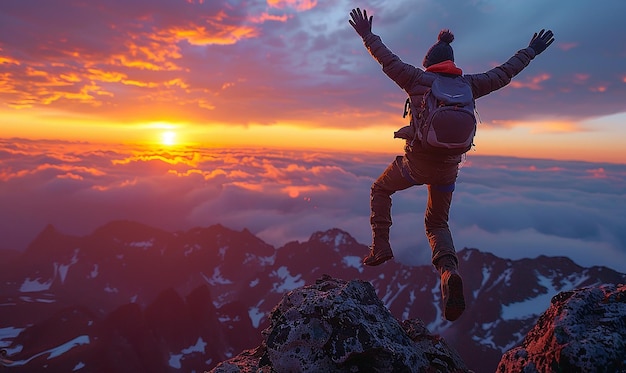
{"x": 440, "y": 51}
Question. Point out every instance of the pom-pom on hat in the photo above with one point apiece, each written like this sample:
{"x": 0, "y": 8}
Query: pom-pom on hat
{"x": 440, "y": 51}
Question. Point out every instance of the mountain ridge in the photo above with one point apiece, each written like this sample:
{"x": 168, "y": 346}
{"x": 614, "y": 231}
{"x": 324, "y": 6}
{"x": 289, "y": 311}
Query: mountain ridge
{"x": 130, "y": 263}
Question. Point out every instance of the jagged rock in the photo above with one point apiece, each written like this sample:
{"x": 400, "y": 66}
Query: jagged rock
{"x": 342, "y": 326}
{"x": 583, "y": 330}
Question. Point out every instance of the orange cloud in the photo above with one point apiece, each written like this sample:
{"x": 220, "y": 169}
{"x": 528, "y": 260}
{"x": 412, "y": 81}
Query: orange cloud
{"x": 299, "y": 5}
{"x": 533, "y": 83}
{"x": 7, "y": 175}
{"x": 249, "y": 186}
{"x": 105, "y": 76}
{"x": 118, "y": 185}
{"x": 567, "y": 46}
{"x": 8, "y": 61}
{"x": 270, "y": 17}
{"x": 188, "y": 158}
{"x": 131, "y": 63}
{"x": 556, "y": 127}
{"x": 71, "y": 176}
{"x": 217, "y": 35}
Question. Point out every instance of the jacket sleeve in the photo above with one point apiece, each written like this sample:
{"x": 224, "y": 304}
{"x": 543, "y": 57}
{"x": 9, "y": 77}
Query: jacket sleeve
{"x": 500, "y": 76}
{"x": 405, "y": 75}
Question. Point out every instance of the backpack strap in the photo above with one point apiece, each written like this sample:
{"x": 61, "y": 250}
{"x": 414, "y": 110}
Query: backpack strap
{"x": 407, "y": 107}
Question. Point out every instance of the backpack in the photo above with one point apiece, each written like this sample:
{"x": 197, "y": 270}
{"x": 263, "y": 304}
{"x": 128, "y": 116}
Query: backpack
{"x": 445, "y": 123}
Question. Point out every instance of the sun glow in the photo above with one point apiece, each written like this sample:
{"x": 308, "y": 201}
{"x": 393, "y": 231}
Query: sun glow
{"x": 168, "y": 138}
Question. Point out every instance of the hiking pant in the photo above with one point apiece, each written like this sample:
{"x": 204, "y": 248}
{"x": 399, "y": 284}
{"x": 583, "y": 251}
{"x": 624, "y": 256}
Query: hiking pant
{"x": 402, "y": 174}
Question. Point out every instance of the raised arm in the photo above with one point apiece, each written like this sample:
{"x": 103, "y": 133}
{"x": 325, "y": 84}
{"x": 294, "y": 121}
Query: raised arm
{"x": 500, "y": 76}
{"x": 404, "y": 74}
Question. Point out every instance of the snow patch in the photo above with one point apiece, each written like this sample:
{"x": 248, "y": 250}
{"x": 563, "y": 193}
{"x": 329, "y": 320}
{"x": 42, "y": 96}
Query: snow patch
{"x": 31, "y": 286}
{"x": 94, "y": 271}
{"x": 267, "y": 260}
{"x": 504, "y": 277}
{"x": 78, "y": 341}
{"x": 354, "y": 262}
{"x": 55, "y": 351}
{"x": 533, "y": 307}
{"x": 175, "y": 359}
{"x": 15, "y": 350}
{"x": 255, "y": 316}
{"x": 488, "y": 338}
{"x": 7, "y": 334}
{"x": 336, "y": 240}
{"x": 145, "y": 245}
{"x": 409, "y": 305}
{"x": 486, "y": 274}
{"x": 216, "y": 278}
{"x": 391, "y": 296}
{"x": 190, "y": 249}
{"x": 225, "y": 318}
{"x": 110, "y": 289}
{"x": 78, "y": 366}
{"x": 289, "y": 282}
{"x": 439, "y": 322}
{"x": 222, "y": 251}
{"x": 38, "y": 299}
{"x": 62, "y": 269}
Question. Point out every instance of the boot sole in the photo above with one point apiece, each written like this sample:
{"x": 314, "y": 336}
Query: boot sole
{"x": 373, "y": 261}
{"x": 455, "y": 305}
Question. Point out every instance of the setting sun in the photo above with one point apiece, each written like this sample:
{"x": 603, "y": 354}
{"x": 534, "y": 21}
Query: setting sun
{"x": 168, "y": 138}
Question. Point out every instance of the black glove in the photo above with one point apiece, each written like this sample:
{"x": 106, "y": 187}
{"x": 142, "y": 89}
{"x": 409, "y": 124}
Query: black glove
{"x": 361, "y": 24}
{"x": 542, "y": 41}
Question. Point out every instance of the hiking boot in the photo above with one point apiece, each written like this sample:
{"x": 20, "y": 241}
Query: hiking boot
{"x": 452, "y": 293}
{"x": 380, "y": 252}
{"x": 451, "y": 287}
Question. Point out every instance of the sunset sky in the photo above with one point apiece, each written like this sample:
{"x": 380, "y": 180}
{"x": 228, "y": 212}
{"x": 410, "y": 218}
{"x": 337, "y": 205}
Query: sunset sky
{"x": 293, "y": 73}
{"x": 270, "y": 115}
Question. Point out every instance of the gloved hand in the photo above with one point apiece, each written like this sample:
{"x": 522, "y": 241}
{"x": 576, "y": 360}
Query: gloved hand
{"x": 362, "y": 25}
{"x": 542, "y": 41}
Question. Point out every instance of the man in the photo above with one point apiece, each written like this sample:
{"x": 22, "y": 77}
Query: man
{"x": 419, "y": 166}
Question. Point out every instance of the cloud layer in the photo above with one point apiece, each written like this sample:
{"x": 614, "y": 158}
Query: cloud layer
{"x": 512, "y": 207}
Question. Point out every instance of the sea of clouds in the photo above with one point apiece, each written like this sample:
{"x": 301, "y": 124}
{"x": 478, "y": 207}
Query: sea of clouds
{"x": 512, "y": 207}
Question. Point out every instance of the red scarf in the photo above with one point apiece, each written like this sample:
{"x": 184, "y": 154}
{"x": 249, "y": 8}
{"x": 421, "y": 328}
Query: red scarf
{"x": 445, "y": 67}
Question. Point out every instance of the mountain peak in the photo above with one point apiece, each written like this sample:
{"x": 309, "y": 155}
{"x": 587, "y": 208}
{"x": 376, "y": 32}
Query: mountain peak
{"x": 127, "y": 229}
{"x": 334, "y": 237}
{"x": 48, "y": 240}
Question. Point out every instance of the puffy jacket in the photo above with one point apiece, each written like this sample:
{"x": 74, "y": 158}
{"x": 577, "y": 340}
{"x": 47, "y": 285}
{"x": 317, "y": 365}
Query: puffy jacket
{"x": 416, "y": 82}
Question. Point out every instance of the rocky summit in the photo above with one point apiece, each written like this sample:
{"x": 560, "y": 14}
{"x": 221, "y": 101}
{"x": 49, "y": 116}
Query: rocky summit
{"x": 583, "y": 330}
{"x": 342, "y": 326}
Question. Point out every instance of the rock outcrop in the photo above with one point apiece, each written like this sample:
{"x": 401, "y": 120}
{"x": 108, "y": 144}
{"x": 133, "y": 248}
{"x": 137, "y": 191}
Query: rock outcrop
{"x": 342, "y": 326}
{"x": 583, "y": 330}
